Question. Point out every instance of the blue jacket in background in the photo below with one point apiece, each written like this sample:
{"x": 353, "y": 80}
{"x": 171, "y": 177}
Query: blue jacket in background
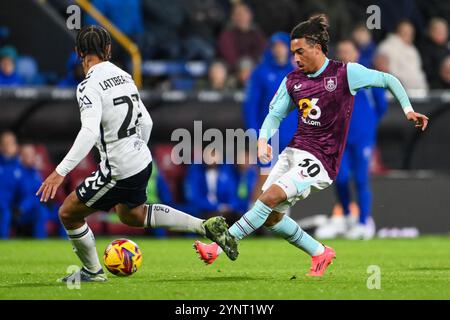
{"x": 30, "y": 183}
{"x": 11, "y": 172}
{"x": 370, "y": 106}
{"x": 262, "y": 86}
{"x": 196, "y": 188}
{"x": 70, "y": 79}
{"x": 10, "y": 181}
{"x": 366, "y": 54}
{"x": 11, "y": 80}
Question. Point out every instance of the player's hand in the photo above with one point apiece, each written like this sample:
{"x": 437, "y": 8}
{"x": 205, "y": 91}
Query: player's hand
{"x": 50, "y": 186}
{"x": 420, "y": 120}
{"x": 264, "y": 151}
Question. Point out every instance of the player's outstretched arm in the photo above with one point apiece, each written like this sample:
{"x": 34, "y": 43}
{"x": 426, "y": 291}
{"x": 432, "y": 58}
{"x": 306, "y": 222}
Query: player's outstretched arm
{"x": 361, "y": 77}
{"x": 91, "y": 115}
{"x": 83, "y": 144}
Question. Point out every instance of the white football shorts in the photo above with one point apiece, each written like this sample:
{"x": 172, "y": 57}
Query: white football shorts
{"x": 299, "y": 174}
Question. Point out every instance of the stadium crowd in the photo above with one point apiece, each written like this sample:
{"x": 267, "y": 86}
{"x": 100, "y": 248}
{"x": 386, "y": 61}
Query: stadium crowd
{"x": 245, "y": 45}
{"x": 231, "y": 37}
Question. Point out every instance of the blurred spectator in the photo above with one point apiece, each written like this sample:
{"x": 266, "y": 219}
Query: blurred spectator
{"x": 8, "y": 72}
{"x": 380, "y": 62}
{"x": 204, "y": 19}
{"x": 404, "y": 59}
{"x": 10, "y": 178}
{"x": 241, "y": 38}
{"x": 444, "y": 73}
{"x": 218, "y": 78}
{"x": 434, "y": 49}
{"x": 211, "y": 188}
{"x": 366, "y": 46}
{"x": 74, "y": 72}
{"x": 244, "y": 71}
{"x": 32, "y": 212}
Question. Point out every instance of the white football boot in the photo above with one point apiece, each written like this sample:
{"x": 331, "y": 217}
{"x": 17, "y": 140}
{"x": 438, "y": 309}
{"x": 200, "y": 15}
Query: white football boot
{"x": 362, "y": 231}
{"x": 335, "y": 227}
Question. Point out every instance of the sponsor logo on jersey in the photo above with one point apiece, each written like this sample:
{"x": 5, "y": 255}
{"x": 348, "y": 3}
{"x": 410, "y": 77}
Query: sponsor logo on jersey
{"x": 297, "y": 87}
{"x": 84, "y": 102}
{"x": 310, "y": 111}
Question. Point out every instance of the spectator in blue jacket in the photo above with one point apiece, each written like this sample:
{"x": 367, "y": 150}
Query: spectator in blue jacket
{"x": 370, "y": 105}
{"x": 8, "y": 73}
{"x": 366, "y": 46}
{"x": 74, "y": 72}
{"x": 11, "y": 172}
{"x": 31, "y": 211}
{"x": 262, "y": 86}
{"x": 210, "y": 188}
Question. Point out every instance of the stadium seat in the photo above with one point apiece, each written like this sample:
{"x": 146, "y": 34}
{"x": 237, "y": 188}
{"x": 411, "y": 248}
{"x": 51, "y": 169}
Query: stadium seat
{"x": 43, "y": 162}
{"x": 377, "y": 166}
{"x": 28, "y": 70}
{"x": 172, "y": 173}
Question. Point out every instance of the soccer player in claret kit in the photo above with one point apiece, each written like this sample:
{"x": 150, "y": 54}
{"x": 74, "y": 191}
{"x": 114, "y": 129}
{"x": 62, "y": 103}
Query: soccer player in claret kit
{"x": 113, "y": 118}
{"x": 322, "y": 91}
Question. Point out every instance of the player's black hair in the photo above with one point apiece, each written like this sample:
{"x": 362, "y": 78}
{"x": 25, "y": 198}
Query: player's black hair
{"x": 314, "y": 30}
{"x": 93, "y": 40}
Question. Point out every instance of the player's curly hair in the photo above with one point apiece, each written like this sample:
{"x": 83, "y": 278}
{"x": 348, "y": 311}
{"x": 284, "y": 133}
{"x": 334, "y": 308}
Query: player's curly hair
{"x": 93, "y": 40}
{"x": 314, "y": 30}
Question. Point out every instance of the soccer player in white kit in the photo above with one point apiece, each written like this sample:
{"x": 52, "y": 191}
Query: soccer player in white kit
{"x": 114, "y": 119}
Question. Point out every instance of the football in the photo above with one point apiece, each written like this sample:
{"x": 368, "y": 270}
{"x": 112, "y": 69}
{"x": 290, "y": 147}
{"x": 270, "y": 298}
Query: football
{"x": 122, "y": 257}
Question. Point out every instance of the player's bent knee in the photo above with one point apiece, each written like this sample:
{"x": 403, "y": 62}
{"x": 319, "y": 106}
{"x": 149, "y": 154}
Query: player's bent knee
{"x": 273, "y": 197}
{"x": 62, "y": 213}
{"x": 273, "y": 219}
{"x": 66, "y": 216}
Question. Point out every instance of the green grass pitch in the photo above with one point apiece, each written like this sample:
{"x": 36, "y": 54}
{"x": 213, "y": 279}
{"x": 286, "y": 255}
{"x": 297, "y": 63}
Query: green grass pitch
{"x": 267, "y": 268}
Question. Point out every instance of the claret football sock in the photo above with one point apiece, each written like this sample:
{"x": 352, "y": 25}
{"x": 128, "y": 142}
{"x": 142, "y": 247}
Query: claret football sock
{"x": 291, "y": 231}
{"x": 251, "y": 221}
{"x": 162, "y": 216}
{"x": 83, "y": 242}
